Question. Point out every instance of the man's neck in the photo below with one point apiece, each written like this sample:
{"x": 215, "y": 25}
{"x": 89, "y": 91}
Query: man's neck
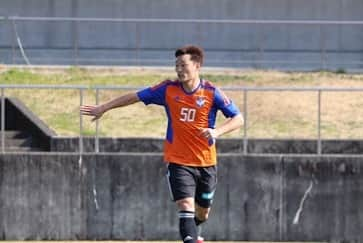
{"x": 191, "y": 85}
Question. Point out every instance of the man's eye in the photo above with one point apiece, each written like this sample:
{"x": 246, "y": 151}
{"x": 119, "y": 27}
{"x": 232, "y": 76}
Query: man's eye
{"x": 181, "y": 65}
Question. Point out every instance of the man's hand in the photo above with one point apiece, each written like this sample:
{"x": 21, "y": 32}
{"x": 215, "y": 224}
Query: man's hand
{"x": 229, "y": 125}
{"x": 91, "y": 110}
{"x": 208, "y": 133}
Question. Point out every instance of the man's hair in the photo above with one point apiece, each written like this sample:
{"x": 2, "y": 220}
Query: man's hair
{"x": 196, "y": 53}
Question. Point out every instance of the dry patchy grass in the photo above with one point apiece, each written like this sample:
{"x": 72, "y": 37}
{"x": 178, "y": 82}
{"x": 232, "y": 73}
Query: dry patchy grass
{"x": 270, "y": 114}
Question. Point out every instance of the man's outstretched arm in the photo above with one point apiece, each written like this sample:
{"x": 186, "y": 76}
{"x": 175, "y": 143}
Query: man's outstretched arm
{"x": 98, "y": 110}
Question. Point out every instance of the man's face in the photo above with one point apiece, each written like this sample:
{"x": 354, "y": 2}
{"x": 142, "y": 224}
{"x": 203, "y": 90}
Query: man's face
{"x": 185, "y": 68}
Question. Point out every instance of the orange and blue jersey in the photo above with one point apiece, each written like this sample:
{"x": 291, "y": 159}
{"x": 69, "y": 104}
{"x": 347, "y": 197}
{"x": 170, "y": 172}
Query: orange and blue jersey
{"x": 188, "y": 113}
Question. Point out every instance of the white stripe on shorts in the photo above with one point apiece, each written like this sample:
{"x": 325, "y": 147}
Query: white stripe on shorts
{"x": 169, "y": 186}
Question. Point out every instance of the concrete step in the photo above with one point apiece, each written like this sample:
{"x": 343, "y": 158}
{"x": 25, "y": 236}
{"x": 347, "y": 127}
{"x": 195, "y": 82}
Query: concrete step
{"x": 18, "y": 141}
{"x": 15, "y": 134}
{"x": 22, "y": 149}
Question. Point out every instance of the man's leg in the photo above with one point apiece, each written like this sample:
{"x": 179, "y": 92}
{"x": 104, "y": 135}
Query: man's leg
{"x": 187, "y": 226}
{"x": 182, "y": 186}
{"x": 206, "y": 187}
{"x": 201, "y": 215}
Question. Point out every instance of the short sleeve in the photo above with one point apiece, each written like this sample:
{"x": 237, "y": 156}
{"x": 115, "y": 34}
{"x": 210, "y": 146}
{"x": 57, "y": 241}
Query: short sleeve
{"x": 154, "y": 95}
{"x": 224, "y": 104}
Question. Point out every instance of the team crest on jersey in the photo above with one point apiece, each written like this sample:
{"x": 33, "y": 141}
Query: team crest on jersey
{"x": 200, "y": 101}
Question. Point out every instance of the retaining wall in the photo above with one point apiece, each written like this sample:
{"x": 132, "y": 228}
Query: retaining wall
{"x": 125, "y": 196}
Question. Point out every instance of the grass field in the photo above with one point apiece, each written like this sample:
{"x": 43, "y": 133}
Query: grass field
{"x": 270, "y": 114}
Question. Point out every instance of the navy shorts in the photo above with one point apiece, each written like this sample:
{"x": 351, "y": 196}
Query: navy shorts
{"x": 197, "y": 182}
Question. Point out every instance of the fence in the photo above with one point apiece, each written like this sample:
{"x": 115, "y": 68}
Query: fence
{"x": 265, "y": 49}
{"x": 245, "y": 91}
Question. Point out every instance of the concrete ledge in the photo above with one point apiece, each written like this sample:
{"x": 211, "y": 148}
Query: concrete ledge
{"x": 254, "y": 146}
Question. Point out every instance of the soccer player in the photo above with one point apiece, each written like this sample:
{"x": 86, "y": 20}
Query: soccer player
{"x": 191, "y": 105}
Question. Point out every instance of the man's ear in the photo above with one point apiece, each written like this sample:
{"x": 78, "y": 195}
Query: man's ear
{"x": 198, "y": 65}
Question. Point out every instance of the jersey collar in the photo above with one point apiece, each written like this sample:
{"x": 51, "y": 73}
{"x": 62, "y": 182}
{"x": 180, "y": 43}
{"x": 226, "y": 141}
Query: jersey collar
{"x": 194, "y": 90}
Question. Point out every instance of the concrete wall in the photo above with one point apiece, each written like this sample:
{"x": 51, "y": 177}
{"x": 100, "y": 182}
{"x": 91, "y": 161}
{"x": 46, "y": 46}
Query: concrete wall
{"x": 233, "y": 45}
{"x": 108, "y": 196}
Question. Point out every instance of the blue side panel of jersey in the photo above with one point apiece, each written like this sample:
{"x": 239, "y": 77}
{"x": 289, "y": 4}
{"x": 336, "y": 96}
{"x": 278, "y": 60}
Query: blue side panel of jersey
{"x": 169, "y": 131}
{"x": 212, "y": 117}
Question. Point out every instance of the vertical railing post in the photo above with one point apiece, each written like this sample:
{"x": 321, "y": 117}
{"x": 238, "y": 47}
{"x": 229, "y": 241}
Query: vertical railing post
{"x": 137, "y": 41}
{"x": 75, "y": 42}
{"x": 97, "y": 144}
{"x": 245, "y": 139}
{"x": 80, "y": 123}
{"x": 2, "y": 121}
{"x": 322, "y": 49}
{"x": 13, "y": 41}
{"x": 319, "y": 123}
{"x": 260, "y": 48}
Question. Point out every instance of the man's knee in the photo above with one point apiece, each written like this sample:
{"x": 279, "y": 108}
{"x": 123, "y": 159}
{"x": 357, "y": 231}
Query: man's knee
{"x": 186, "y": 204}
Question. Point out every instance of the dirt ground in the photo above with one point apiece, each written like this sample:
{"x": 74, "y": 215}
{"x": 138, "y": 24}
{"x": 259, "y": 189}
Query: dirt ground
{"x": 143, "y": 242}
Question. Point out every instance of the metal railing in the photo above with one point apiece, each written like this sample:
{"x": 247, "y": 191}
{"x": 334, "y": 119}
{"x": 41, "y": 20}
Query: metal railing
{"x": 318, "y": 90}
{"x": 80, "y": 88}
{"x": 260, "y": 50}
{"x": 243, "y": 90}
{"x": 206, "y": 21}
